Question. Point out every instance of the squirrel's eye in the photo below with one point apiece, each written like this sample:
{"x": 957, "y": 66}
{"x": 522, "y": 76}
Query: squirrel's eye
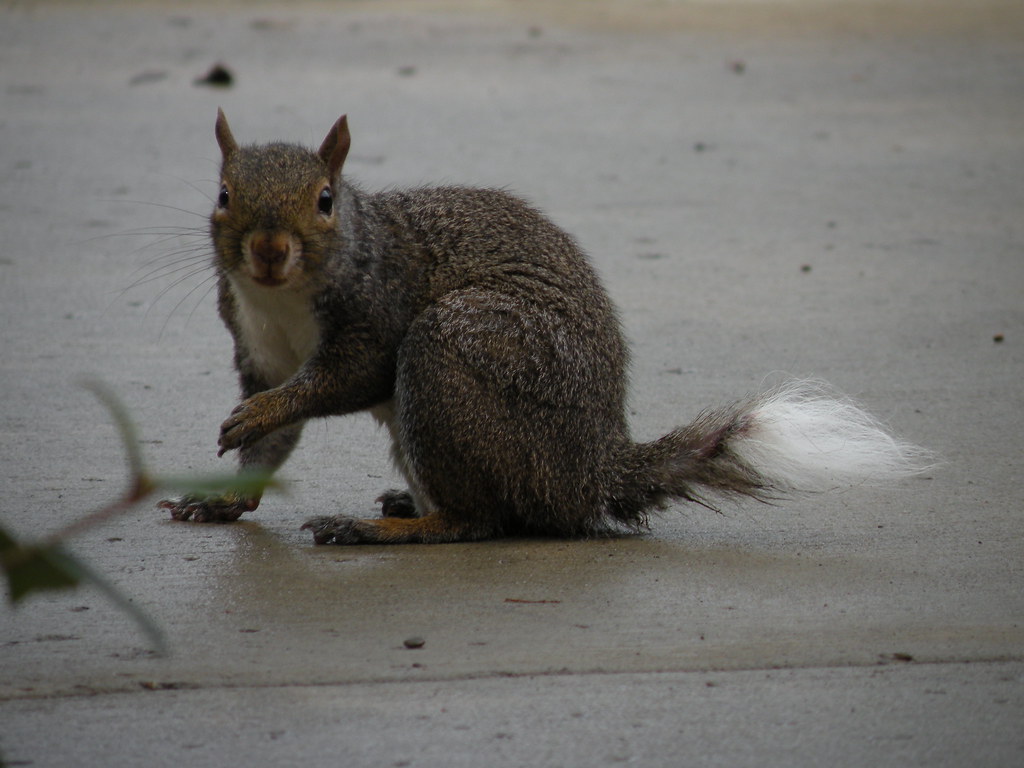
{"x": 223, "y": 198}
{"x": 325, "y": 204}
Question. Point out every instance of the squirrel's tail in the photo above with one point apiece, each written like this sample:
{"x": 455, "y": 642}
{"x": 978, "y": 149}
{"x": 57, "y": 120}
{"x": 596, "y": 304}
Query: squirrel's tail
{"x": 798, "y": 437}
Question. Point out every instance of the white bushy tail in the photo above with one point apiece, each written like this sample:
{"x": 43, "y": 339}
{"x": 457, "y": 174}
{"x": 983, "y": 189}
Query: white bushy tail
{"x": 802, "y": 437}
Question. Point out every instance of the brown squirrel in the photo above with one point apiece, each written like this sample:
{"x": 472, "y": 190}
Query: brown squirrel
{"x": 478, "y": 332}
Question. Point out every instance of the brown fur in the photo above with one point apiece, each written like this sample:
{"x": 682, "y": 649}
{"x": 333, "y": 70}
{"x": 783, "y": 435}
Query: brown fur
{"x": 471, "y": 325}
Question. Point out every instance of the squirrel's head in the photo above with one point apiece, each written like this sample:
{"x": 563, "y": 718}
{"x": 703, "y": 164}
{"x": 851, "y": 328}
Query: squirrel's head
{"x": 275, "y": 215}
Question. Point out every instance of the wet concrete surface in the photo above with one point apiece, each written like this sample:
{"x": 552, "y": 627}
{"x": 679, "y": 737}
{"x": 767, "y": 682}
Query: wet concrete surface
{"x": 770, "y": 192}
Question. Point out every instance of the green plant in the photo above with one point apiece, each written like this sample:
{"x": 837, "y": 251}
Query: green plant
{"x": 47, "y": 565}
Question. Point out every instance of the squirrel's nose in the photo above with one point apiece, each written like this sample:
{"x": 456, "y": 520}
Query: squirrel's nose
{"x": 270, "y": 248}
{"x": 272, "y": 256}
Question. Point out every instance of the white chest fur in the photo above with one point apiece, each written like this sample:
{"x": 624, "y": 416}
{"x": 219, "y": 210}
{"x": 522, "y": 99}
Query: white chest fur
{"x": 277, "y": 327}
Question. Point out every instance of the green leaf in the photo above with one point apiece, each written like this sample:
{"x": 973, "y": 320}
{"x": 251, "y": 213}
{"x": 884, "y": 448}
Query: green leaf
{"x": 247, "y": 483}
{"x": 35, "y": 568}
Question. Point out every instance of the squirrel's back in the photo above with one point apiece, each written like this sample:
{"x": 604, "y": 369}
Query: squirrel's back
{"x": 493, "y": 239}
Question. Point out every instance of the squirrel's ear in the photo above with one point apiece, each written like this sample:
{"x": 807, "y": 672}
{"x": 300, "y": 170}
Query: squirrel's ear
{"x": 335, "y": 146}
{"x": 224, "y": 138}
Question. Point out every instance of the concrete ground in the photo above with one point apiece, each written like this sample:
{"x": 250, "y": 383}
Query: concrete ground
{"x": 813, "y": 188}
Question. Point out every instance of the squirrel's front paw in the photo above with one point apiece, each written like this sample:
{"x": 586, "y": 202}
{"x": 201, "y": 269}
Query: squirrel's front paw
{"x": 209, "y": 509}
{"x": 397, "y": 504}
{"x": 249, "y": 421}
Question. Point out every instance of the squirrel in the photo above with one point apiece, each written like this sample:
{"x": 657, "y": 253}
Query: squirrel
{"x": 479, "y": 334}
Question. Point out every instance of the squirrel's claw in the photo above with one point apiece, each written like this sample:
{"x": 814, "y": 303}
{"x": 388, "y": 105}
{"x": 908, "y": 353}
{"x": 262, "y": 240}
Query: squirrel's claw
{"x": 240, "y": 428}
{"x": 208, "y": 509}
{"x": 251, "y": 419}
{"x": 234, "y": 432}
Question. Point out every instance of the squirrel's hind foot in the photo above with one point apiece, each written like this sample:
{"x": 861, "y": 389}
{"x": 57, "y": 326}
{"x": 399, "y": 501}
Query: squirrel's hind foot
{"x": 208, "y": 509}
{"x": 430, "y": 529}
{"x": 335, "y": 530}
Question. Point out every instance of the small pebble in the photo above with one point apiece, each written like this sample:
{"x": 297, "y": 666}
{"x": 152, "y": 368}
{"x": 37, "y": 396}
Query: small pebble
{"x": 998, "y": 338}
{"x": 219, "y": 76}
{"x": 414, "y": 642}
